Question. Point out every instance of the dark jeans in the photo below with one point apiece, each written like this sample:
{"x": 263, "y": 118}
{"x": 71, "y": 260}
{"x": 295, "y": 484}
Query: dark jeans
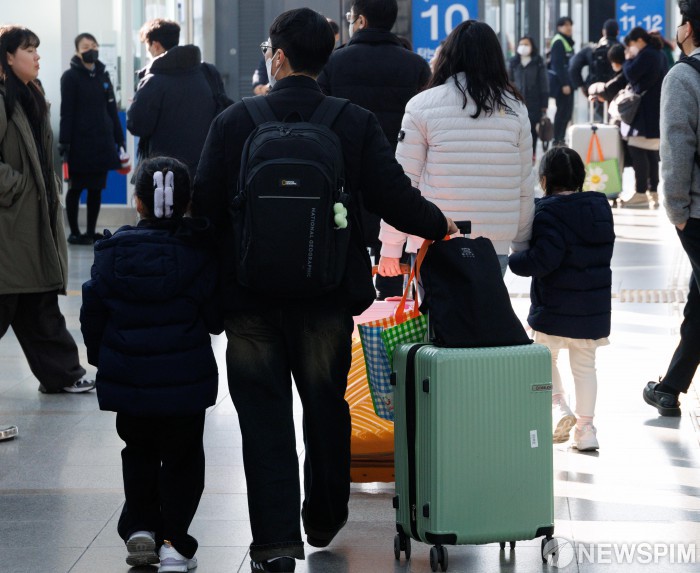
{"x": 163, "y": 469}
{"x": 686, "y": 358}
{"x": 94, "y": 202}
{"x": 266, "y": 350}
{"x": 646, "y": 169}
{"x": 41, "y": 331}
{"x": 562, "y": 117}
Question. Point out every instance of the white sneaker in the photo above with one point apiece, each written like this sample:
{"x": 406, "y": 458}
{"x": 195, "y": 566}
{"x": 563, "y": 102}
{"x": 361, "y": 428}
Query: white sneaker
{"x": 637, "y": 201}
{"x": 563, "y": 420}
{"x": 142, "y": 549}
{"x": 585, "y": 439}
{"x": 172, "y": 562}
{"x": 653, "y": 197}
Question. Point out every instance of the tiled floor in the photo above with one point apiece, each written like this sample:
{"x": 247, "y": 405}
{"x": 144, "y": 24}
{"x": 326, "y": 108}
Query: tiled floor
{"x": 61, "y": 492}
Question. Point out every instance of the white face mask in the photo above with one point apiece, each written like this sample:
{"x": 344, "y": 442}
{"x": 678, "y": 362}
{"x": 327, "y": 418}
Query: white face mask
{"x": 524, "y": 50}
{"x": 270, "y": 78}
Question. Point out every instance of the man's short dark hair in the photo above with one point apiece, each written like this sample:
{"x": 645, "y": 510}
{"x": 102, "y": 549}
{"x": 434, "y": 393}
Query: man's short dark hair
{"x": 690, "y": 12}
{"x": 378, "y": 13}
{"x": 84, "y": 36}
{"x": 611, "y": 28}
{"x": 305, "y": 37}
{"x": 167, "y": 32}
{"x": 334, "y": 26}
{"x": 616, "y": 54}
{"x": 564, "y": 20}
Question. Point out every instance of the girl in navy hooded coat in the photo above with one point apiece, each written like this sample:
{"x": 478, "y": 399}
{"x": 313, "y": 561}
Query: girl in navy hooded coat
{"x": 569, "y": 260}
{"x": 146, "y": 317}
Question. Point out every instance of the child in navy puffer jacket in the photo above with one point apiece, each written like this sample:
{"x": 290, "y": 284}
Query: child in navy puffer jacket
{"x": 569, "y": 259}
{"x": 146, "y": 317}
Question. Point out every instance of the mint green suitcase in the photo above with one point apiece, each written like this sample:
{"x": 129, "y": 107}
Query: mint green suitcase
{"x": 473, "y": 440}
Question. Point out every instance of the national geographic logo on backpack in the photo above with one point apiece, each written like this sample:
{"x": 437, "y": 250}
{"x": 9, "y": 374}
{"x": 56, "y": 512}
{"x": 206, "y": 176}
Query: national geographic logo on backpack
{"x": 312, "y": 236}
{"x": 541, "y": 388}
{"x": 467, "y": 253}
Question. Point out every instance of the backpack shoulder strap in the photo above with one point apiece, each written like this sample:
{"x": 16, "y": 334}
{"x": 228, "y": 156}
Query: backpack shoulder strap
{"x": 328, "y": 110}
{"x": 691, "y": 61}
{"x": 259, "y": 109}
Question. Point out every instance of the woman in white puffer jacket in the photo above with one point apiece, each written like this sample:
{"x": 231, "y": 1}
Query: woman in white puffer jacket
{"x": 465, "y": 143}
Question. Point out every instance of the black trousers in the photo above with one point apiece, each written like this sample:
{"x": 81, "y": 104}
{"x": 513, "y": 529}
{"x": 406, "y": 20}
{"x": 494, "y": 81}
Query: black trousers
{"x": 686, "y": 358}
{"x": 163, "y": 469}
{"x": 562, "y": 117}
{"x": 94, "y": 202}
{"x": 40, "y": 328}
{"x": 265, "y": 350}
{"x": 645, "y": 163}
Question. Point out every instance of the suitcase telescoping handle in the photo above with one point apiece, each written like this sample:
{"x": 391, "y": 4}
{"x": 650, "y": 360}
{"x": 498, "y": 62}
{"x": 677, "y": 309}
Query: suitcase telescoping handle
{"x": 591, "y": 112}
{"x": 465, "y": 227}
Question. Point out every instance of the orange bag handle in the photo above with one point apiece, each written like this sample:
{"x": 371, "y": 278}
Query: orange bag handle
{"x": 595, "y": 138}
{"x": 400, "y": 313}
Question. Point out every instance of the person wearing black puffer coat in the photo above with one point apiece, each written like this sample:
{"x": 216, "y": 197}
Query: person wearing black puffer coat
{"x": 90, "y": 134}
{"x": 569, "y": 261}
{"x": 375, "y": 71}
{"x": 146, "y": 317}
{"x": 174, "y": 103}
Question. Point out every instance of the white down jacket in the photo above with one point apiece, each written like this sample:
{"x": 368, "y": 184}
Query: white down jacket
{"x": 477, "y": 170}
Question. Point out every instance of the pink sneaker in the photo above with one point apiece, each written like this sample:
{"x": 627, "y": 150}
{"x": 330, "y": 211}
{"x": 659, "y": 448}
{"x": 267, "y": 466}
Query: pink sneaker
{"x": 585, "y": 439}
{"x": 563, "y": 420}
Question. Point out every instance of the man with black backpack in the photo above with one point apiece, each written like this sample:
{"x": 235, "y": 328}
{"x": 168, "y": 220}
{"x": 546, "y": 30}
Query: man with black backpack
{"x": 177, "y": 97}
{"x": 595, "y": 58}
{"x": 281, "y": 178}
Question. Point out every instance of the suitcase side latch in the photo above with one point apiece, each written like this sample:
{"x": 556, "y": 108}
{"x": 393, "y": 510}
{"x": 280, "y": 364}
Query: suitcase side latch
{"x": 426, "y": 510}
{"x": 426, "y": 385}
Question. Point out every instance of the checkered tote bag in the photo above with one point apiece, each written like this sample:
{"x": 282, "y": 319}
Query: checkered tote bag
{"x": 379, "y": 338}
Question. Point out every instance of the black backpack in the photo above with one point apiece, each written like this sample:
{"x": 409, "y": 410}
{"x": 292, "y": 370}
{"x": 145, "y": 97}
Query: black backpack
{"x": 600, "y": 69}
{"x": 291, "y": 187}
{"x": 218, "y": 92}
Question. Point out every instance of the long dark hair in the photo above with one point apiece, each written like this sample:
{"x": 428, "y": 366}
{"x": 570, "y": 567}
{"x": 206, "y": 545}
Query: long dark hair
{"x": 640, "y": 33}
{"x": 29, "y": 95}
{"x": 473, "y": 48}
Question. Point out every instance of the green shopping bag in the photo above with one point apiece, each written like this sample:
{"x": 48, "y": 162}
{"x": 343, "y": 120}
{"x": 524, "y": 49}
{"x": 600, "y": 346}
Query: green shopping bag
{"x": 602, "y": 175}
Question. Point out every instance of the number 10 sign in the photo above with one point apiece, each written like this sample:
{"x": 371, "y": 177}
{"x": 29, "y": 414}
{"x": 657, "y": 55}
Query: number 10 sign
{"x": 433, "y": 20}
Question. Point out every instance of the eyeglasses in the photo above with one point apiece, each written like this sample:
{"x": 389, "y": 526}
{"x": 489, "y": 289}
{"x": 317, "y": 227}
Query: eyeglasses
{"x": 348, "y": 17}
{"x": 265, "y": 46}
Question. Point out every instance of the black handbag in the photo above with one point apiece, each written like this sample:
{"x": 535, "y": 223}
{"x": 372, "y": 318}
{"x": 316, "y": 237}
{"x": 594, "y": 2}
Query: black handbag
{"x": 627, "y": 103}
{"x": 467, "y": 302}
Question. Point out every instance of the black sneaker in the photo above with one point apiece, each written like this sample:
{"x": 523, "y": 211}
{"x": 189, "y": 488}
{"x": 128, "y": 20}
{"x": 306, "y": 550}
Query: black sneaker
{"x": 74, "y": 239}
{"x": 77, "y": 387}
{"x": 279, "y": 565}
{"x": 667, "y": 404}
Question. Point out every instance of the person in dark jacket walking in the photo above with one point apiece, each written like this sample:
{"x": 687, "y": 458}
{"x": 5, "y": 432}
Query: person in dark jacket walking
{"x": 595, "y": 58}
{"x": 272, "y": 339}
{"x": 528, "y": 73}
{"x": 174, "y": 103}
{"x": 375, "y": 71}
{"x": 569, "y": 259}
{"x": 146, "y": 327}
{"x": 90, "y": 134}
{"x": 645, "y": 69}
{"x": 561, "y": 50}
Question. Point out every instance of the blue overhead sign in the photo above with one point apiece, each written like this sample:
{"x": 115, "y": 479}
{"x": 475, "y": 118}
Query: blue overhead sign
{"x": 649, "y": 14}
{"x": 433, "y": 20}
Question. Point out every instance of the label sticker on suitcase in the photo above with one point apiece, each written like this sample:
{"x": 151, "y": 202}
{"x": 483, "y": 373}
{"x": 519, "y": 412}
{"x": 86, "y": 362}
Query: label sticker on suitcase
{"x": 541, "y": 388}
{"x": 533, "y": 439}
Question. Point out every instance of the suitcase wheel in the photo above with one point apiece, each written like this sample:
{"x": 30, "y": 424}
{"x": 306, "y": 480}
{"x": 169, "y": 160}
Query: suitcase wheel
{"x": 548, "y": 549}
{"x": 503, "y": 544}
{"x": 402, "y": 543}
{"x": 438, "y": 556}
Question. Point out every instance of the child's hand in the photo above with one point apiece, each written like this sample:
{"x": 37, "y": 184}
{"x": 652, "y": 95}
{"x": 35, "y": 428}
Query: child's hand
{"x": 389, "y": 267}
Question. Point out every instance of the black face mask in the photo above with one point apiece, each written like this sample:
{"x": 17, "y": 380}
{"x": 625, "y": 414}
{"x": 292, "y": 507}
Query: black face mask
{"x": 90, "y": 57}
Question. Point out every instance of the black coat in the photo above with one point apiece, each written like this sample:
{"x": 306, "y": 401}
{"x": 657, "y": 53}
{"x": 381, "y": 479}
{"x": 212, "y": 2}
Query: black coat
{"x": 373, "y": 178}
{"x": 89, "y": 121}
{"x": 569, "y": 260}
{"x": 646, "y": 73}
{"x": 146, "y": 316}
{"x": 374, "y": 70}
{"x": 532, "y": 83}
{"x": 173, "y": 106}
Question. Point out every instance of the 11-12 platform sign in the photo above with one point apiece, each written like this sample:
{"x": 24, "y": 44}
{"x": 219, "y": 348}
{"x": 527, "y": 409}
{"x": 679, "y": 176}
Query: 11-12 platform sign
{"x": 433, "y": 20}
{"x": 649, "y": 14}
